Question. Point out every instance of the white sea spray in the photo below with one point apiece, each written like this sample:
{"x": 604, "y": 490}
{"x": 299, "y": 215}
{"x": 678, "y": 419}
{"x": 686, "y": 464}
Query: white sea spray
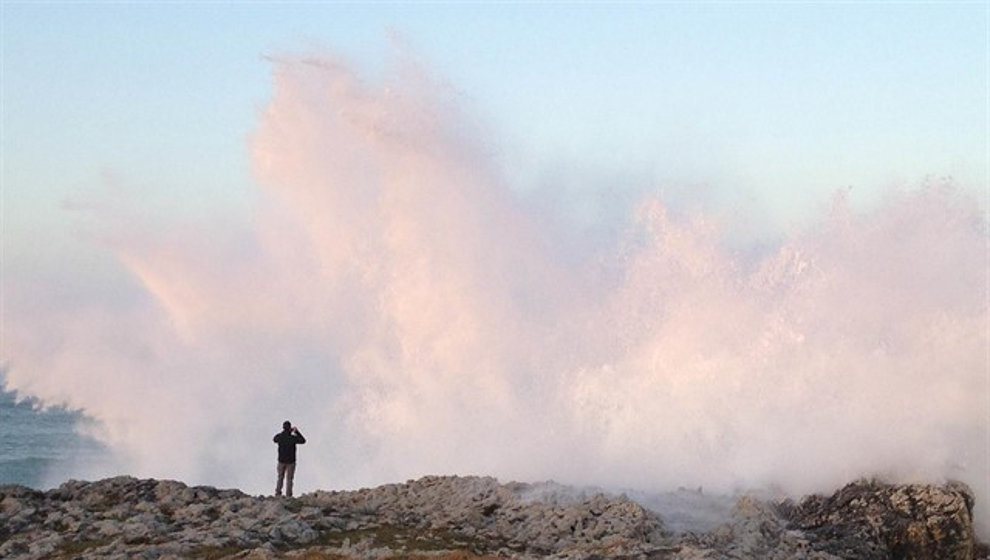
{"x": 398, "y": 301}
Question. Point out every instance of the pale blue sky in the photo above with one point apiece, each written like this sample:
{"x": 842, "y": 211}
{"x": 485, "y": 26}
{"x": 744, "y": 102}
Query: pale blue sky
{"x": 772, "y": 105}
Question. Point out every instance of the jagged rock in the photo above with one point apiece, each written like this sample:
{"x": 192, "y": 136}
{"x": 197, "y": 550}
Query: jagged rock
{"x": 129, "y": 518}
{"x": 870, "y": 520}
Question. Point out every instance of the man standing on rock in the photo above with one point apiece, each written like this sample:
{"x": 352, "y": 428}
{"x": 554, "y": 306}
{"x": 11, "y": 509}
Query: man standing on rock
{"x": 287, "y": 440}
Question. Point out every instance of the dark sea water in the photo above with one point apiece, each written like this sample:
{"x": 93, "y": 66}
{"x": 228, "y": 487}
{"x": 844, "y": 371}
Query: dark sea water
{"x": 40, "y": 447}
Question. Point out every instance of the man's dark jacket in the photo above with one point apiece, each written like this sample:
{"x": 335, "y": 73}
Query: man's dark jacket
{"x": 287, "y": 442}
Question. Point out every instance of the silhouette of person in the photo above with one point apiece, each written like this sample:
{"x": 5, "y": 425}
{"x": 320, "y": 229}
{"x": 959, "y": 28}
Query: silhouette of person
{"x": 287, "y": 440}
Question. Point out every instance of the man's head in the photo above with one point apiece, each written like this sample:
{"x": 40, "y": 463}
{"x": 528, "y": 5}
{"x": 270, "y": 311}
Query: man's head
{"x": 286, "y": 425}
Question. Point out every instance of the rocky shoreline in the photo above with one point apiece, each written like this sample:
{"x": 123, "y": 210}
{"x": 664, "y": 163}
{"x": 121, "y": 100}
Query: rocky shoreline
{"x": 466, "y": 517}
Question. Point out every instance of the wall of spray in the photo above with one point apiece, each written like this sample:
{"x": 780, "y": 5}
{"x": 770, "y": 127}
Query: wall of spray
{"x": 393, "y": 297}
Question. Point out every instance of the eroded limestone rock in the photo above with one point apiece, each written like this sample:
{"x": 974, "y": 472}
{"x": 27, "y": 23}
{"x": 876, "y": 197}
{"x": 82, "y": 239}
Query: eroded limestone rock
{"x": 126, "y": 517}
{"x": 870, "y": 520}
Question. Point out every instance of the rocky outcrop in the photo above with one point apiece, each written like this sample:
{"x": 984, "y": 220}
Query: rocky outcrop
{"x": 498, "y": 517}
{"x": 870, "y": 520}
{"x": 130, "y": 518}
{"x": 126, "y": 517}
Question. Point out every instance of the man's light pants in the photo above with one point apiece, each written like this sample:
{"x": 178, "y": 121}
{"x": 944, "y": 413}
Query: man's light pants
{"x": 286, "y": 471}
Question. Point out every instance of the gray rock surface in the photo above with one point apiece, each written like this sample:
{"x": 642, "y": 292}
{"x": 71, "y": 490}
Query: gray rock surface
{"x": 126, "y": 517}
{"x": 871, "y": 520}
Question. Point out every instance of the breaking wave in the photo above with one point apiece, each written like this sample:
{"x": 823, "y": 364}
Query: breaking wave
{"x": 413, "y": 314}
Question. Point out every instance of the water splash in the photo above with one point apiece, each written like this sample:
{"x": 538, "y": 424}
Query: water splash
{"x": 394, "y": 298}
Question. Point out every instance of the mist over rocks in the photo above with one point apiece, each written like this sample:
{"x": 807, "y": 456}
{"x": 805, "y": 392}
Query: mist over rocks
{"x": 126, "y": 517}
